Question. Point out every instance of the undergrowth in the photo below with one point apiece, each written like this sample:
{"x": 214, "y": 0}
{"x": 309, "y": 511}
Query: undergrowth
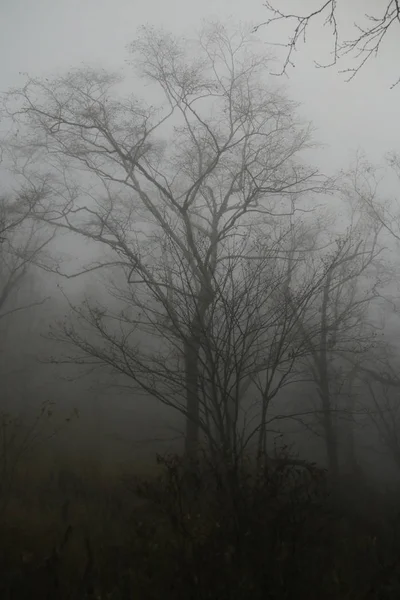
{"x": 195, "y": 530}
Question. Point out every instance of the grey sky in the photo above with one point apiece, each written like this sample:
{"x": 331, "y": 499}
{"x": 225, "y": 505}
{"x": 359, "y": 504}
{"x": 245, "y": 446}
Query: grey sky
{"x": 44, "y": 36}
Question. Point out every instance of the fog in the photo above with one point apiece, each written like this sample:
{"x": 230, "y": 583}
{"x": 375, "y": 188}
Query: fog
{"x": 346, "y": 118}
{"x": 198, "y": 255}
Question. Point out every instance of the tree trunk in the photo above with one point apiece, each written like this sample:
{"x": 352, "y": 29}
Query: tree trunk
{"x": 262, "y": 436}
{"x": 351, "y": 454}
{"x": 324, "y": 388}
{"x": 192, "y": 348}
{"x": 192, "y": 399}
{"x": 330, "y": 433}
{"x": 350, "y": 458}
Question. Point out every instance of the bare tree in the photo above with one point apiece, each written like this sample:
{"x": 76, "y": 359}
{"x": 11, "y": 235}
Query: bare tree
{"x": 370, "y": 32}
{"x": 249, "y": 344}
{"x": 172, "y": 193}
{"x": 337, "y": 329}
{"x": 367, "y": 181}
{"x": 379, "y": 374}
{"x": 384, "y": 414}
{"x": 22, "y": 244}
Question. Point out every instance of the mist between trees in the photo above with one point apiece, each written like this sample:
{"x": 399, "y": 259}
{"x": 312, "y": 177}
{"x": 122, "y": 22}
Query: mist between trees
{"x": 230, "y": 285}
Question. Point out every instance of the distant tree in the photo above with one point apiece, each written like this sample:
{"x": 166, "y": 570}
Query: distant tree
{"x": 379, "y": 373}
{"x": 22, "y": 244}
{"x": 177, "y": 196}
{"x": 369, "y": 31}
{"x": 386, "y": 213}
{"x": 384, "y": 414}
{"x": 336, "y": 327}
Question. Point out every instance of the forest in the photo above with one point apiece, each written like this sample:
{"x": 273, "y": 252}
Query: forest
{"x": 199, "y": 347}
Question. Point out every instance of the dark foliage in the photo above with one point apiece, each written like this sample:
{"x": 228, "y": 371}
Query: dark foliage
{"x": 201, "y": 531}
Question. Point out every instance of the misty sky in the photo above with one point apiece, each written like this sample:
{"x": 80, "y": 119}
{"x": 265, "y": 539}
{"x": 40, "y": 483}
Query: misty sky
{"x": 45, "y": 36}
